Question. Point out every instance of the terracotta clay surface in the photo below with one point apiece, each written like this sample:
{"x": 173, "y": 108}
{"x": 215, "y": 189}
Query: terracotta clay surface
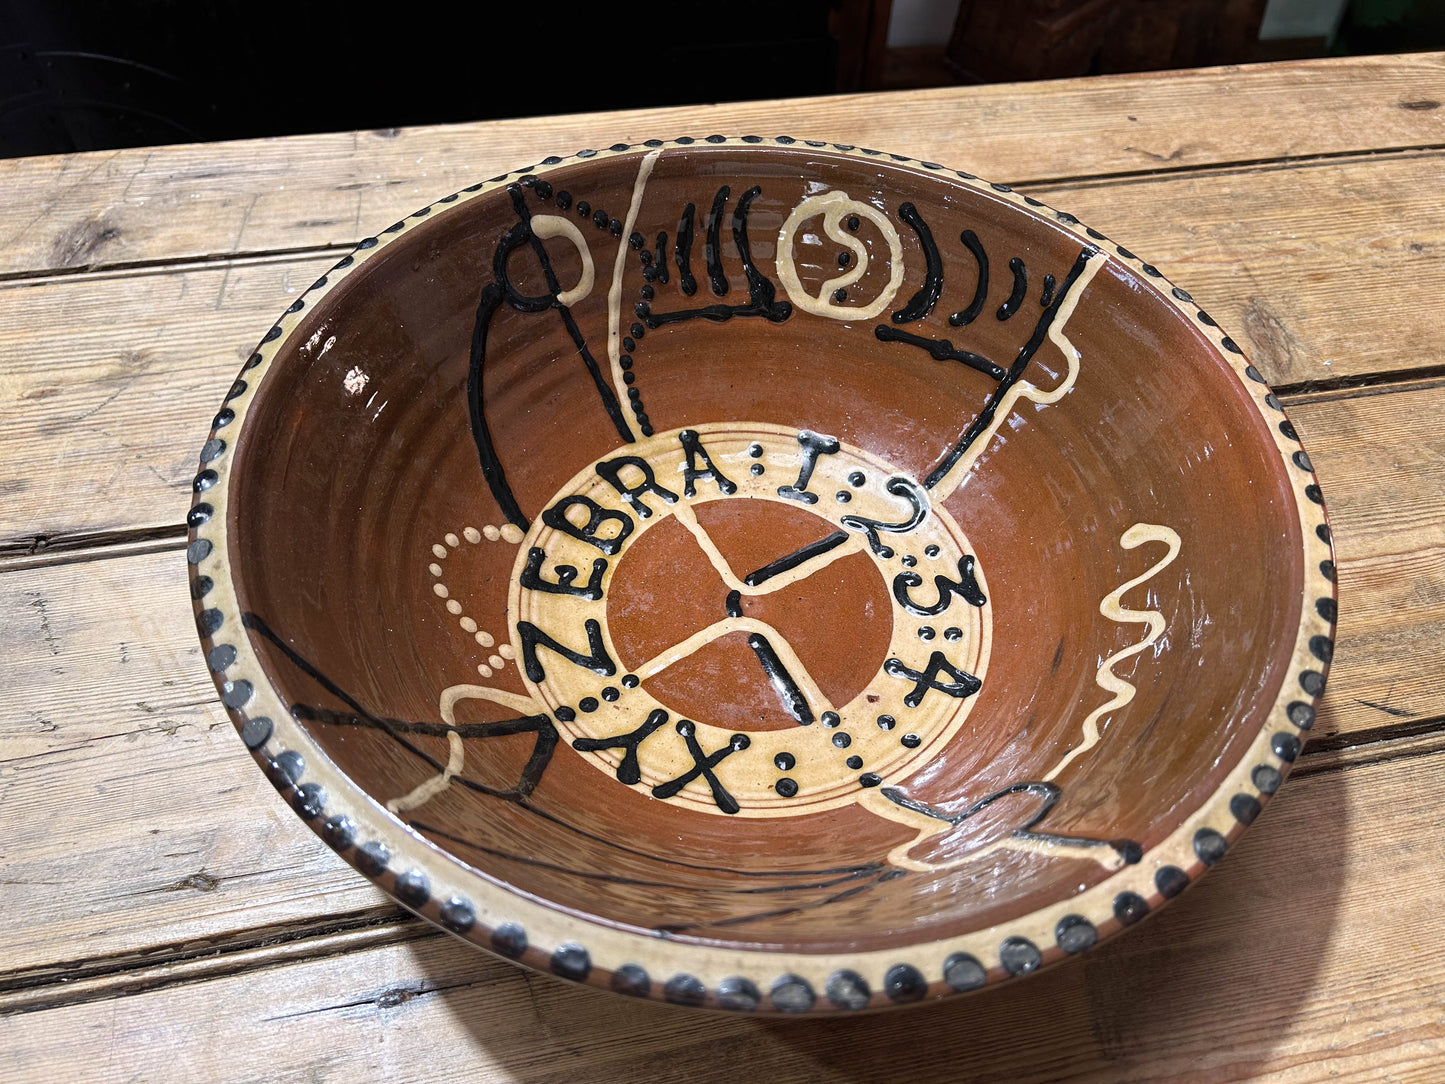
{"x": 762, "y": 576}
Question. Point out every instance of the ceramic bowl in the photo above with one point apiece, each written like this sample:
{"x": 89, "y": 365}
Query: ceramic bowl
{"x": 762, "y": 575}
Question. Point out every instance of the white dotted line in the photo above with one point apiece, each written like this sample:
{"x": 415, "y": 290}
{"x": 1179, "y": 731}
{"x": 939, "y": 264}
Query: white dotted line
{"x": 508, "y": 532}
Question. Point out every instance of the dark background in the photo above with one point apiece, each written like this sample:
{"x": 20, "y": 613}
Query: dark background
{"x": 92, "y": 74}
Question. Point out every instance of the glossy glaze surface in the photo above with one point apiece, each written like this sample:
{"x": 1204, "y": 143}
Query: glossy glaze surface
{"x": 777, "y": 549}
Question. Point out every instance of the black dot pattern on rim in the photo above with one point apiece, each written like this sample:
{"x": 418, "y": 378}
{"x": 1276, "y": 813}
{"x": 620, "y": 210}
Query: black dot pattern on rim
{"x": 509, "y": 940}
{"x": 309, "y": 800}
{"x": 792, "y": 989}
{"x": 631, "y": 980}
{"x": 830, "y": 719}
{"x": 870, "y": 779}
{"x": 291, "y": 765}
{"x": 1129, "y": 908}
{"x": 571, "y": 961}
{"x": 792, "y": 994}
{"x": 684, "y": 990}
{"x": 256, "y": 732}
{"x": 198, "y": 550}
{"x": 963, "y": 972}
{"x": 886, "y": 722}
{"x": 340, "y": 832}
{"x": 786, "y": 787}
{"x": 842, "y": 741}
{"x": 412, "y": 888}
{"x": 855, "y": 762}
{"x": 785, "y": 762}
{"x": 372, "y": 858}
{"x": 236, "y": 694}
{"x": 847, "y": 990}
{"x": 630, "y": 681}
{"x": 1019, "y": 956}
{"x": 910, "y": 741}
{"x": 1266, "y": 778}
{"x": 457, "y": 915}
{"x": 1075, "y": 933}
{"x": 904, "y": 983}
{"x": 738, "y": 994}
{"x": 1244, "y": 807}
{"x": 202, "y": 586}
{"x": 1209, "y": 845}
{"x": 1170, "y": 881}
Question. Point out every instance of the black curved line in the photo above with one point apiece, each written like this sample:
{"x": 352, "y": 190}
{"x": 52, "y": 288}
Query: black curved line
{"x": 940, "y": 350}
{"x": 1016, "y": 370}
{"x": 761, "y": 916}
{"x": 794, "y": 702}
{"x": 492, "y": 468}
{"x": 712, "y": 244}
{"x": 1046, "y": 298}
{"x": 980, "y": 293}
{"x": 1021, "y": 287}
{"x": 932, "y": 289}
{"x": 899, "y": 487}
{"x": 393, "y": 729}
{"x": 794, "y": 559}
{"x": 535, "y": 863}
{"x": 554, "y": 286}
{"x": 683, "y": 251}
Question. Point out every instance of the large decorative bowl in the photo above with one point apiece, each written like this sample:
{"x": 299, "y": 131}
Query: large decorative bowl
{"x": 762, "y": 575}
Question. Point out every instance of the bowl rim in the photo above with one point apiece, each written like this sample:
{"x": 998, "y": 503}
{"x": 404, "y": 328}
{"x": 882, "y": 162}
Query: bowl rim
{"x": 550, "y": 938}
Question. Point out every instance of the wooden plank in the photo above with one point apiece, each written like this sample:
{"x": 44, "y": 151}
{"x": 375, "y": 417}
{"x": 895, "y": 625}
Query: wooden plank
{"x": 1379, "y": 456}
{"x": 110, "y": 379}
{"x": 1320, "y": 270}
{"x": 262, "y": 195}
{"x": 133, "y": 814}
{"x": 109, "y": 708}
{"x": 1281, "y": 963}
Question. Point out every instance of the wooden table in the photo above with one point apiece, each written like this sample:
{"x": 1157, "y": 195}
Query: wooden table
{"x": 165, "y": 916}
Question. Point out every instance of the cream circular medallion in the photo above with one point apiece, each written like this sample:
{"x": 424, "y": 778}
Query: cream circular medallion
{"x": 907, "y": 711}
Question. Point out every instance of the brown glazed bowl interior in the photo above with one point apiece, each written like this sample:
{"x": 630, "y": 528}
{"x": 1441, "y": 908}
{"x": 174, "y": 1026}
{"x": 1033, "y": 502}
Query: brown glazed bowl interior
{"x": 762, "y": 575}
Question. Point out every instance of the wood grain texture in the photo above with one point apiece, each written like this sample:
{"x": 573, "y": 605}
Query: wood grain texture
{"x": 1282, "y": 963}
{"x": 215, "y": 199}
{"x": 110, "y": 379}
{"x": 114, "y": 741}
{"x": 167, "y": 917}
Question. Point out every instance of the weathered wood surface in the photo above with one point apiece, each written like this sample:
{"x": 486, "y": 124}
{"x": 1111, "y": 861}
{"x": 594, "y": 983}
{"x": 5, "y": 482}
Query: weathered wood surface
{"x": 1325, "y": 272}
{"x": 110, "y": 728}
{"x": 1283, "y": 962}
{"x": 183, "y": 202}
{"x": 164, "y": 910}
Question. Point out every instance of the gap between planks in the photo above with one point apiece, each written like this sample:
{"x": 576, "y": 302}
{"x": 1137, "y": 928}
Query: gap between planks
{"x": 1242, "y": 167}
{"x": 77, "y": 982}
{"x": 65, "y": 547}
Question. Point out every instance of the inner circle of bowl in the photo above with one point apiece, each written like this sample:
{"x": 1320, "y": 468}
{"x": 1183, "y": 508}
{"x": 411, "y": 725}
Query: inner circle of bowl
{"x": 359, "y": 460}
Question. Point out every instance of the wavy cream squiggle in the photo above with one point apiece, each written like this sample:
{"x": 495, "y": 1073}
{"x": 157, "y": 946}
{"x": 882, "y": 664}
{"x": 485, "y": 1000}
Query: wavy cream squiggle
{"x": 1113, "y": 609}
